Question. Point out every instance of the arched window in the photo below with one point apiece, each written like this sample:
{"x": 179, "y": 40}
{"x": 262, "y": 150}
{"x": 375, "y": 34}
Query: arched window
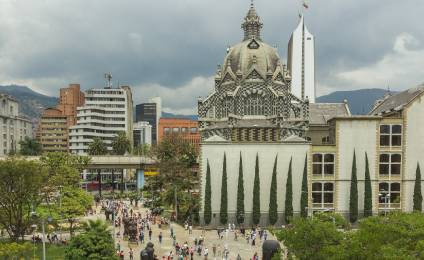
{"x": 253, "y": 105}
{"x": 226, "y": 107}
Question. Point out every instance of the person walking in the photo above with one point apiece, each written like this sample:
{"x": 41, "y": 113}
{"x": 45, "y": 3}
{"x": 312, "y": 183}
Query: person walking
{"x": 142, "y": 237}
{"x": 214, "y": 249}
{"x": 160, "y": 237}
{"x": 150, "y": 234}
{"x": 131, "y": 254}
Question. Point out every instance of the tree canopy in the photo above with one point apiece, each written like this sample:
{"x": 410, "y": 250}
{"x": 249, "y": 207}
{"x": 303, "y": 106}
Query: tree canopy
{"x": 97, "y": 147}
{"x": 121, "y": 144}
{"x": 95, "y": 242}
{"x": 30, "y": 147}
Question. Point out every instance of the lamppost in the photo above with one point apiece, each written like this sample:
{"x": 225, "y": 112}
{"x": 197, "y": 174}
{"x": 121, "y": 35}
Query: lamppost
{"x": 49, "y": 219}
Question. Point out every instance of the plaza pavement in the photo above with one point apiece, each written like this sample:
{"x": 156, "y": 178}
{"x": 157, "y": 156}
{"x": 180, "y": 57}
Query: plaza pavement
{"x": 240, "y": 246}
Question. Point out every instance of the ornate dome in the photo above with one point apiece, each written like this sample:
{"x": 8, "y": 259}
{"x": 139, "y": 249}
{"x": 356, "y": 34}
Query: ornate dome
{"x": 243, "y": 56}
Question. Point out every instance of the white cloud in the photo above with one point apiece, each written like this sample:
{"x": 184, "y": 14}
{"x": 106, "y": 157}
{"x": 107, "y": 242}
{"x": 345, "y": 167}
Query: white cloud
{"x": 400, "y": 68}
{"x": 177, "y": 100}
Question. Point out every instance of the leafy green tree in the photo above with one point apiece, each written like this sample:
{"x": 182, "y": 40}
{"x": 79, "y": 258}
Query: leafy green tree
{"x": 418, "y": 197}
{"x": 353, "y": 202}
{"x": 368, "y": 190}
{"x": 273, "y": 206}
{"x": 256, "y": 212}
{"x": 304, "y": 195}
{"x": 288, "y": 212}
{"x": 308, "y": 238}
{"x": 95, "y": 242}
{"x": 121, "y": 144}
{"x": 240, "y": 194}
{"x": 207, "y": 213}
{"x": 97, "y": 147}
{"x": 21, "y": 183}
{"x": 176, "y": 158}
{"x": 73, "y": 204}
{"x": 224, "y": 194}
{"x": 30, "y": 147}
{"x": 15, "y": 250}
{"x": 142, "y": 150}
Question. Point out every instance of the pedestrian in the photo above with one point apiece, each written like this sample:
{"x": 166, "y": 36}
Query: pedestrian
{"x": 214, "y": 249}
{"x": 190, "y": 229}
{"x": 206, "y": 253}
{"x": 150, "y": 234}
{"x": 121, "y": 255}
{"x": 255, "y": 256}
{"x": 160, "y": 237}
{"x": 131, "y": 254}
{"x": 238, "y": 257}
{"x": 142, "y": 237}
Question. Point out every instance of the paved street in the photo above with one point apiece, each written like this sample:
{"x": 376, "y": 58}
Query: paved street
{"x": 246, "y": 250}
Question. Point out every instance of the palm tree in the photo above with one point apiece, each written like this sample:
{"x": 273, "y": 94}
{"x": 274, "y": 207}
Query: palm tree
{"x": 30, "y": 147}
{"x": 97, "y": 147}
{"x": 120, "y": 144}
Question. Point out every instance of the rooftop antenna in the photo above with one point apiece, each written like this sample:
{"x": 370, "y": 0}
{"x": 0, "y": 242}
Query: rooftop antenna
{"x": 108, "y": 77}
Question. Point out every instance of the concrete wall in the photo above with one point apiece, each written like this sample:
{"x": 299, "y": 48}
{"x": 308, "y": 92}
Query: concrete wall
{"x": 214, "y": 153}
{"x": 359, "y": 136}
{"x": 413, "y": 150}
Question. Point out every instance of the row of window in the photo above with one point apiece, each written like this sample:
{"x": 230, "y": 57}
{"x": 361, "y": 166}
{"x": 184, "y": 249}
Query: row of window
{"x": 390, "y": 135}
{"x": 323, "y": 194}
{"x": 168, "y": 130}
{"x": 323, "y": 164}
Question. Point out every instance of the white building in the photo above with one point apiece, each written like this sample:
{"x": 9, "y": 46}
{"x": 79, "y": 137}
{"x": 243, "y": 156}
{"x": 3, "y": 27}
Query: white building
{"x": 142, "y": 133}
{"x": 107, "y": 111}
{"x": 301, "y": 62}
{"x": 13, "y": 128}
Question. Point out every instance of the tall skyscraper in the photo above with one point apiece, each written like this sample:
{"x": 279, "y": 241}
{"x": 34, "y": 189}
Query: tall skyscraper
{"x": 106, "y": 112}
{"x": 301, "y": 62}
{"x": 150, "y": 112}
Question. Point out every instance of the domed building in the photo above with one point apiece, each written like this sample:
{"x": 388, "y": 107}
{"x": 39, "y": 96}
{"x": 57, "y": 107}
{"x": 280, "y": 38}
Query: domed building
{"x": 252, "y": 100}
{"x": 268, "y": 154}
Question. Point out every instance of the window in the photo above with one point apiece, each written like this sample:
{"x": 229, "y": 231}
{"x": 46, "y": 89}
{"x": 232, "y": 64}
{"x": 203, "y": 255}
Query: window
{"x": 193, "y": 130}
{"x": 325, "y": 140}
{"x": 322, "y": 194}
{"x": 253, "y": 105}
{"x": 390, "y": 135}
{"x": 166, "y": 130}
{"x": 184, "y": 130}
{"x": 323, "y": 164}
{"x": 175, "y": 130}
{"x": 389, "y": 196}
{"x": 390, "y": 164}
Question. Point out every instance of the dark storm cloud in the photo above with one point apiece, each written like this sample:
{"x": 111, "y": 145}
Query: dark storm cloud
{"x": 165, "y": 47}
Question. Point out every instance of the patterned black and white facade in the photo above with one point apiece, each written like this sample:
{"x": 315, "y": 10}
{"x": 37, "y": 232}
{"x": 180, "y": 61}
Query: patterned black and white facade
{"x": 252, "y": 99}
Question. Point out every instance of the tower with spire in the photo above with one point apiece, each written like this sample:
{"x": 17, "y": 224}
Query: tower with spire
{"x": 301, "y": 62}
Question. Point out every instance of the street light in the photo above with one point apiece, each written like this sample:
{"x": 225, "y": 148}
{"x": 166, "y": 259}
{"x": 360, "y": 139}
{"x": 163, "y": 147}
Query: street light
{"x": 49, "y": 219}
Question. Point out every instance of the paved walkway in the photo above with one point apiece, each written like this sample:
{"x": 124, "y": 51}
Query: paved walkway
{"x": 246, "y": 250}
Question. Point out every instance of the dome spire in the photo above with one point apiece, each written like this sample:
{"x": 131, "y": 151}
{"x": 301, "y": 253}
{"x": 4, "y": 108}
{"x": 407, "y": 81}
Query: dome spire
{"x": 252, "y": 24}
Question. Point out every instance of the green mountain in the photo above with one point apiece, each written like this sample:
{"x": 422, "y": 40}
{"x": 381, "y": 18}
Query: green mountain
{"x": 360, "y": 101}
{"x": 31, "y": 103}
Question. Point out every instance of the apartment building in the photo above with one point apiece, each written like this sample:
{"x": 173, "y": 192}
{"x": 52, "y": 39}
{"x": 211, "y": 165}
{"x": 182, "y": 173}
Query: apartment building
{"x": 186, "y": 129}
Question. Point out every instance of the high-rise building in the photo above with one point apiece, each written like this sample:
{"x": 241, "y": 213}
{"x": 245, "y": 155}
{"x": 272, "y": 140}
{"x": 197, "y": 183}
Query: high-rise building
{"x": 55, "y": 122}
{"x": 107, "y": 111}
{"x": 149, "y": 112}
{"x": 13, "y": 127}
{"x": 301, "y": 62}
{"x": 187, "y": 130}
{"x": 142, "y": 133}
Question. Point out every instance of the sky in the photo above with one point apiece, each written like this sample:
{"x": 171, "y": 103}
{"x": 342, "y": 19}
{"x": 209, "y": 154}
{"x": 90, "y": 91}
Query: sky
{"x": 171, "y": 48}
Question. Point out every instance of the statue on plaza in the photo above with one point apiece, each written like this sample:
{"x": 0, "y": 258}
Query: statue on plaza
{"x": 130, "y": 228}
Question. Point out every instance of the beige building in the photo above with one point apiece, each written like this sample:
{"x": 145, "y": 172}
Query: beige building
{"x": 53, "y": 129}
{"x": 13, "y": 127}
{"x": 252, "y": 116}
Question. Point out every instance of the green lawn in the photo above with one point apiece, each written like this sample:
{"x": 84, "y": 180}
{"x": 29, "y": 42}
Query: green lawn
{"x": 53, "y": 252}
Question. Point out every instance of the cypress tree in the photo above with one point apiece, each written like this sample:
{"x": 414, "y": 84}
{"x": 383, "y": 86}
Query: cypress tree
{"x": 256, "y": 212}
{"x": 223, "y": 213}
{"x": 288, "y": 213}
{"x": 368, "y": 190}
{"x": 208, "y": 192}
{"x": 418, "y": 197}
{"x": 353, "y": 202}
{"x": 240, "y": 194}
{"x": 273, "y": 216}
{"x": 304, "y": 195}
